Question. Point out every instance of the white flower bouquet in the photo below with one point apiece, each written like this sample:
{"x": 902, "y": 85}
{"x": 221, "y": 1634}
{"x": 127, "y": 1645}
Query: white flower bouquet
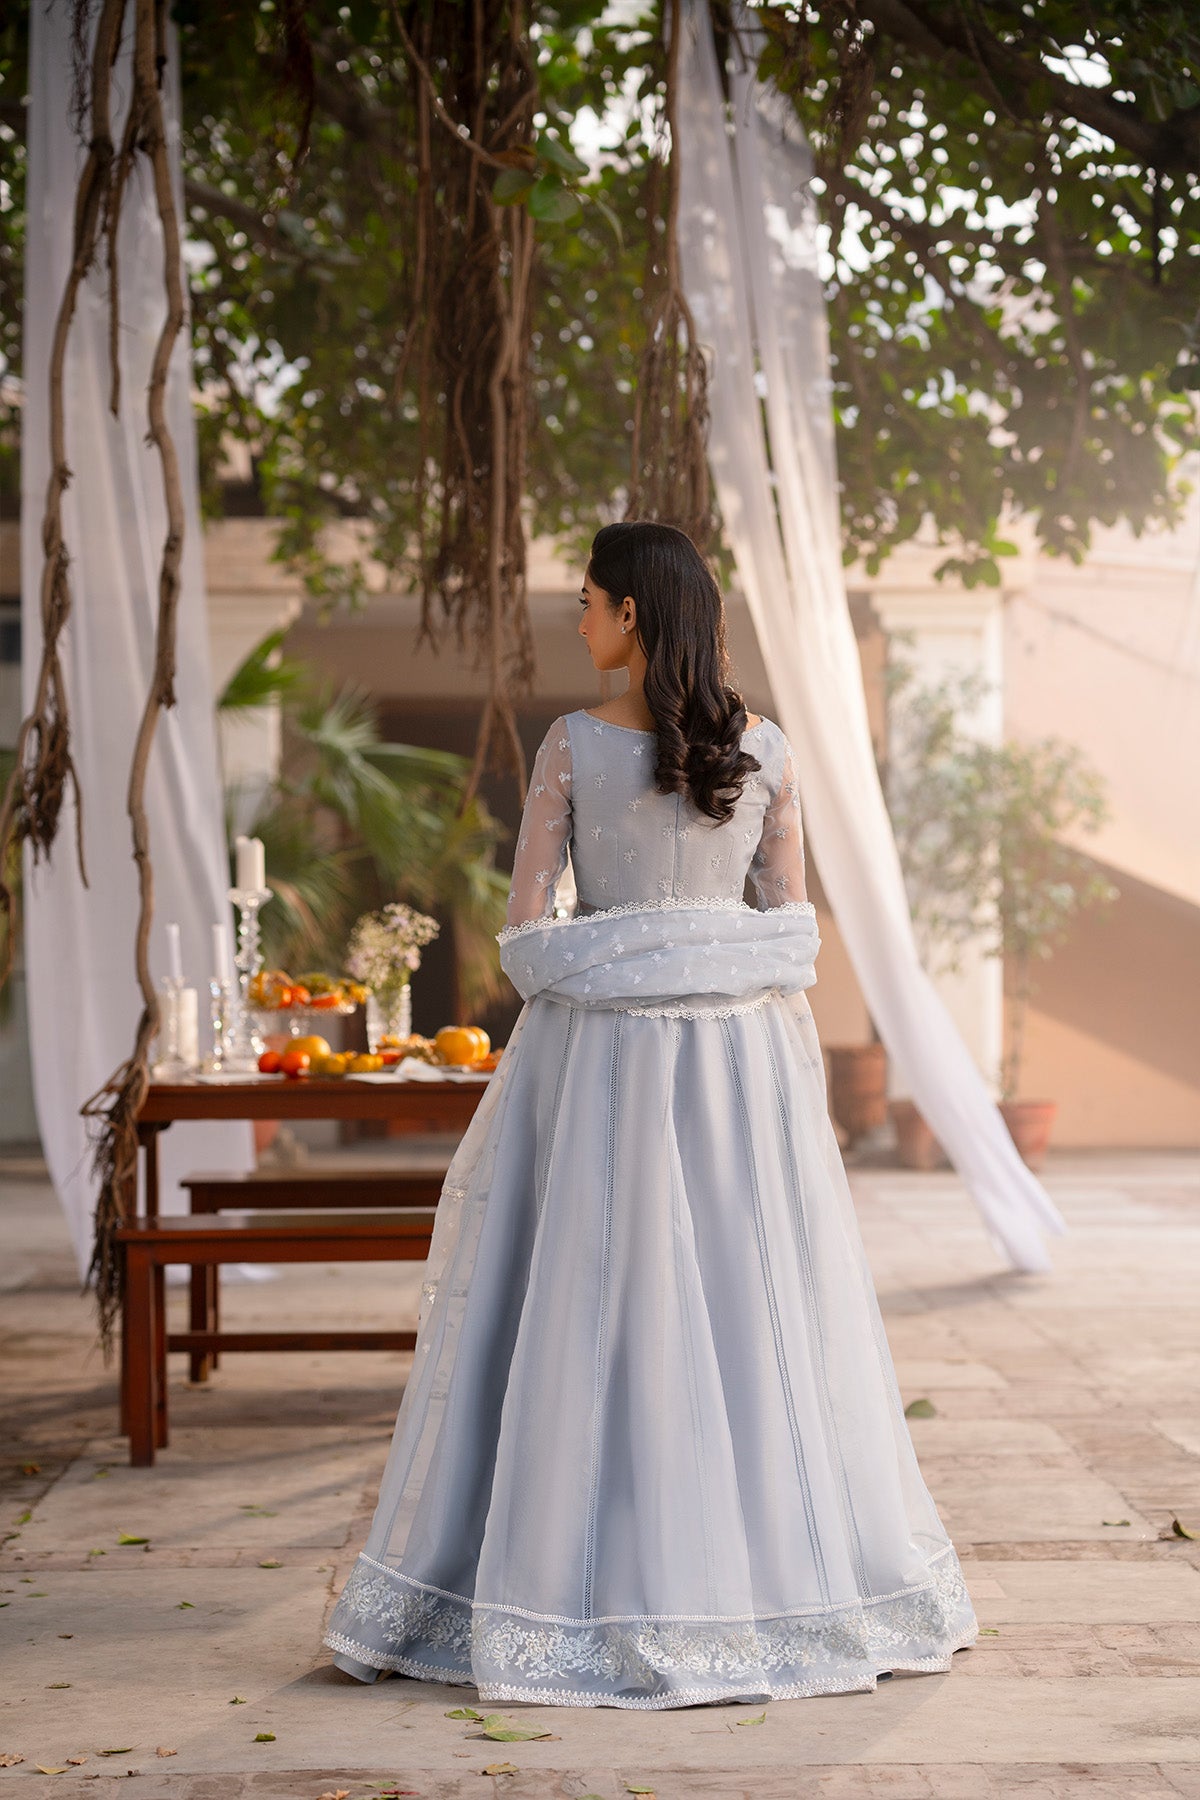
{"x": 385, "y": 946}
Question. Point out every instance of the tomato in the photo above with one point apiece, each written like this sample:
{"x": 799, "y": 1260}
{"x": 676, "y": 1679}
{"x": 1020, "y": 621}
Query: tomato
{"x": 295, "y": 1063}
{"x": 388, "y": 1057}
{"x": 324, "y": 1002}
{"x": 270, "y": 1062}
{"x": 300, "y": 996}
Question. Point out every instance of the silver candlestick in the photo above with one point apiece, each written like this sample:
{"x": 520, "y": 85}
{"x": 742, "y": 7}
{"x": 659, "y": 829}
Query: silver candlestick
{"x": 244, "y": 1045}
{"x": 221, "y": 1008}
{"x": 170, "y": 1064}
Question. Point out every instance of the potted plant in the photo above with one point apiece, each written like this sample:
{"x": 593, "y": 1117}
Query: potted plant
{"x": 1038, "y": 794}
{"x": 981, "y": 830}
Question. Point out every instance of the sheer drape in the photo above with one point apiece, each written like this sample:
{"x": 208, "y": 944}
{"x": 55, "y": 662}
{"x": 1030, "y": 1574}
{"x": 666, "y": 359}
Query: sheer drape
{"x": 83, "y": 997}
{"x": 748, "y": 251}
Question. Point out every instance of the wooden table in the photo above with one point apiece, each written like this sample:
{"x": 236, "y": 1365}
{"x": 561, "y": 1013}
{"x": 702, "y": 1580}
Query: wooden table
{"x": 408, "y": 1106}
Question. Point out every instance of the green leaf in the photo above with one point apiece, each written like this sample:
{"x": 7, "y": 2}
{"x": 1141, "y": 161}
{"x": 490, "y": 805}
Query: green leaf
{"x": 1181, "y": 1530}
{"x": 500, "y": 1769}
{"x": 185, "y": 1606}
{"x": 631, "y": 1789}
{"x": 562, "y": 157}
{"x": 920, "y": 1409}
{"x": 270, "y": 1562}
{"x": 130, "y": 1537}
{"x": 464, "y": 1712}
{"x": 238, "y": 1701}
{"x": 511, "y": 185}
{"x": 504, "y": 1731}
{"x": 1114, "y": 1521}
{"x": 758, "y": 1719}
{"x": 121, "y": 1750}
{"x": 552, "y": 203}
{"x": 264, "y": 1737}
{"x": 989, "y": 1631}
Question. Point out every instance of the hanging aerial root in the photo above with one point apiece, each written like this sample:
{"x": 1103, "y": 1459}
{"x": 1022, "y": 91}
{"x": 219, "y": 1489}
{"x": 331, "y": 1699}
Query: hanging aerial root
{"x": 669, "y": 478}
{"x": 112, "y": 1116}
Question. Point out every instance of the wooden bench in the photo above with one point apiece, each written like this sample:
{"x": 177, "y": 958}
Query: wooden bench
{"x": 148, "y": 1245}
{"x": 286, "y": 1190}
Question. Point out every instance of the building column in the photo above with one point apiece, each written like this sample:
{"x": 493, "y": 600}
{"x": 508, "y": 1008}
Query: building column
{"x": 946, "y": 634}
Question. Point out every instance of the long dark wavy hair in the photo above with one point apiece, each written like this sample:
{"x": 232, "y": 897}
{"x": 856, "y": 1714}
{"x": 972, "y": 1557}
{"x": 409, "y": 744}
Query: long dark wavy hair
{"x": 698, "y": 718}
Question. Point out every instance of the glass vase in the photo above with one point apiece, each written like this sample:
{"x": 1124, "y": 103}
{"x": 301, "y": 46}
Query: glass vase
{"x": 389, "y": 1013}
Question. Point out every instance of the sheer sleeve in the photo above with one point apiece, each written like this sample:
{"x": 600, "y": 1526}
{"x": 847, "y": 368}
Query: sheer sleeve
{"x": 545, "y": 834}
{"x": 777, "y": 870}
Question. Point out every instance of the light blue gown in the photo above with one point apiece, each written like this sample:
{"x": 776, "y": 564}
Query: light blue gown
{"x": 652, "y": 1452}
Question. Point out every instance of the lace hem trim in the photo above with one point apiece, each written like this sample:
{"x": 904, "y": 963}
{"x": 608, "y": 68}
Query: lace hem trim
{"x": 681, "y": 904}
{"x": 820, "y": 1650}
{"x": 798, "y": 1690}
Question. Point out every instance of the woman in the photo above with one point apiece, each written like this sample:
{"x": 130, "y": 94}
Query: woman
{"x": 652, "y": 1452}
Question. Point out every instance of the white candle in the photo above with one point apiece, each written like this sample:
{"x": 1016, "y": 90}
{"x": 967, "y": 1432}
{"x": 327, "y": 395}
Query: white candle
{"x": 174, "y": 954}
{"x": 188, "y": 1038}
{"x": 251, "y": 865}
{"x": 221, "y": 965}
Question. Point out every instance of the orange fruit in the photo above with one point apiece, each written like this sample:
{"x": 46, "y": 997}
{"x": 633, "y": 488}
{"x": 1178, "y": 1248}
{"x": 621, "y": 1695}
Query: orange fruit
{"x": 481, "y": 1037}
{"x": 311, "y": 1046}
{"x": 459, "y": 1044}
{"x": 295, "y": 1063}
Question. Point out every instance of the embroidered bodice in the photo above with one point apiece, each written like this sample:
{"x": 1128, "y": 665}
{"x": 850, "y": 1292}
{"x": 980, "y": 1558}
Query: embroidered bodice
{"x": 592, "y": 797}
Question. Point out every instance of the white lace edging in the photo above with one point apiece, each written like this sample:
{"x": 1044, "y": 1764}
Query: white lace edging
{"x": 698, "y": 1012}
{"x": 781, "y": 1655}
{"x": 552, "y": 923}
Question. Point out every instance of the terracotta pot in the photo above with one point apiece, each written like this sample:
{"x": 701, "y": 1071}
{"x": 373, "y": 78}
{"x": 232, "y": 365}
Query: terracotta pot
{"x": 916, "y": 1145}
{"x": 1030, "y": 1123}
{"x": 858, "y": 1088}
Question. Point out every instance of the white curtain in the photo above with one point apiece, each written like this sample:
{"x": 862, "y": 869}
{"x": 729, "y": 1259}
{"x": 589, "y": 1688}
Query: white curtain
{"x": 748, "y": 250}
{"x": 83, "y": 996}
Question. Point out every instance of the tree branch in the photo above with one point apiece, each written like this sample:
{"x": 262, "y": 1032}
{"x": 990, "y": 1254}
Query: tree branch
{"x": 917, "y": 25}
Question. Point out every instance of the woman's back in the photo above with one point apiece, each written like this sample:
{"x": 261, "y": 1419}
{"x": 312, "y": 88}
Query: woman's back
{"x": 592, "y": 791}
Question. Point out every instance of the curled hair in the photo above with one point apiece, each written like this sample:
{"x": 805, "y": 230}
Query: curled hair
{"x": 698, "y": 718}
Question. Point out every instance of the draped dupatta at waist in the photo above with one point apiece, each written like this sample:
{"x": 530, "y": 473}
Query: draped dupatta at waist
{"x": 677, "y": 958}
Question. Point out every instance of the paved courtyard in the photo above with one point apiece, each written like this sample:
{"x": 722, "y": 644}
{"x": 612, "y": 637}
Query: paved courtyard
{"x": 1064, "y": 1441}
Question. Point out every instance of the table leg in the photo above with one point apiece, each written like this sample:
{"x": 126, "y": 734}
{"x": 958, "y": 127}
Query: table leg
{"x": 138, "y": 1337}
{"x": 200, "y": 1316}
{"x": 160, "y": 1356}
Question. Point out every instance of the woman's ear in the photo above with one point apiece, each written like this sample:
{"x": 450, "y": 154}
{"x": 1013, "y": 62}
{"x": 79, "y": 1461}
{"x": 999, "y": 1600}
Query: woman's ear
{"x": 629, "y": 614}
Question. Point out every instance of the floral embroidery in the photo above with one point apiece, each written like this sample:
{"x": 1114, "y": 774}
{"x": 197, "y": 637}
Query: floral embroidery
{"x": 388, "y": 1620}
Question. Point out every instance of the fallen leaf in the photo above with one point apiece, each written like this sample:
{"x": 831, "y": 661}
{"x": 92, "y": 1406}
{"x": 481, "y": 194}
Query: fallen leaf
{"x": 1114, "y": 1521}
{"x": 630, "y": 1789}
{"x": 257, "y": 1512}
{"x": 185, "y": 1606}
{"x": 99, "y": 1474}
{"x": 58, "y": 1684}
{"x": 920, "y": 1409}
{"x": 1181, "y": 1530}
{"x": 25, "y": 1517}
{"x": 97, "y": 1552}
{"x": 500, "y": 1769}
{"x": 131, "y": 1537}
{"x": 76, "y": 1761}
{"x": 43, "y": 1769}
{"x": 989, "y": 1631}
{"x": 162, "y": 1750}
{"x": 759, "y": 1719}
{"x": 66, "y": 1634}
{"x": 271, "y": 1562}
{"x": 41, "y": 1593}
{"x": 505, "y": 1731}
{"x": 464, "y": 1712}
{"x": 31, "y": 1468}
{"x": 343, "y": 1793}
{"x": 264, "y": 1737}
{"x": 9, "y": 1760}
{"x": 237, "y": 1701}
{"x": 121, "y": 1750}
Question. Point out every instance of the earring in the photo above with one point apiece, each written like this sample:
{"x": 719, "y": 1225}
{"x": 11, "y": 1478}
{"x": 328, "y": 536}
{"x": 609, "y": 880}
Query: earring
{"x": 624, "y": 628}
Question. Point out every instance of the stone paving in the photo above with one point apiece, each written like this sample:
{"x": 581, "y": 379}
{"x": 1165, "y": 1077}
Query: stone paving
{"x": 1064, "y": 1443}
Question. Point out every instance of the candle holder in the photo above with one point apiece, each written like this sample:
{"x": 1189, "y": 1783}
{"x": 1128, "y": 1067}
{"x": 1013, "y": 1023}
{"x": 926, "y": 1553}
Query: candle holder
{"x": 243, "y": 1043}
{"x": 220, "y": 1018}
{"x": 170, "y": 1065}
